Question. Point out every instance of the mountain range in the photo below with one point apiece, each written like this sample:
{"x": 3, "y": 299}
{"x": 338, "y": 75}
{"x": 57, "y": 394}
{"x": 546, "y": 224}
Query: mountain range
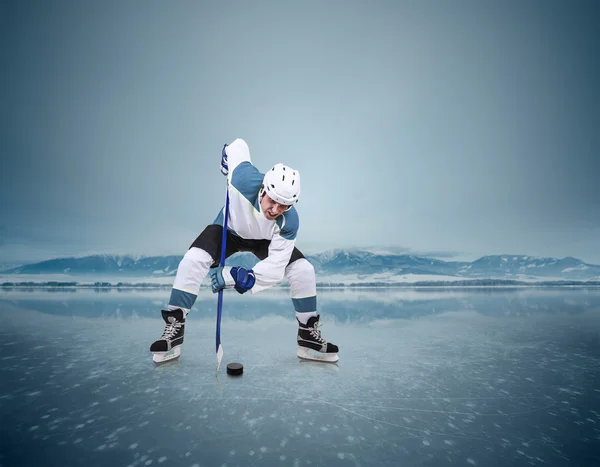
{"x": 335, "y": 264}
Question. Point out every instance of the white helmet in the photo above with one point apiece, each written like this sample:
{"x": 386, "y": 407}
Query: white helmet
{"x": 282, "y": 184}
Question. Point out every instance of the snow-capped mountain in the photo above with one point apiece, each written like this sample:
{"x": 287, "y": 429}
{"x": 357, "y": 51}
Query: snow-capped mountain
{"x": 514, "y": 266}
{"x": 8, "y": 266}
{"x": 104, "y": 264}
{"x": 337, "y": 263}
{"x": 365, "y": 262}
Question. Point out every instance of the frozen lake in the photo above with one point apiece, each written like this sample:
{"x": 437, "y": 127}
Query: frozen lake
{"x": 427, "y": 377}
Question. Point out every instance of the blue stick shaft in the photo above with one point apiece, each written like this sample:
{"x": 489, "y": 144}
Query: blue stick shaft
{"x": 222, "y": 263}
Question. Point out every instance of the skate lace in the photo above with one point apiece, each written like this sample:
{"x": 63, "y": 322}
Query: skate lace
{"x": 314, "y": 332}
{"x": 171, "y": 329}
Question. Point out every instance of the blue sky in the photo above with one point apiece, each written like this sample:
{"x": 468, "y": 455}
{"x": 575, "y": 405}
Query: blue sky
{"x": 463, "y": 128}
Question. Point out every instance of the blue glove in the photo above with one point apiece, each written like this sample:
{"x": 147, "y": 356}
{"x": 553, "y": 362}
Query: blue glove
{"x": 231, "y": 277}
{"x": 224, "y": 165}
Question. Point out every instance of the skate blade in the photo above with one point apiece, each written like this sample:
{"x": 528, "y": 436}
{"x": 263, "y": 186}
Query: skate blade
{"x": 305, "y": 354}
{"x": 162, "y": 357}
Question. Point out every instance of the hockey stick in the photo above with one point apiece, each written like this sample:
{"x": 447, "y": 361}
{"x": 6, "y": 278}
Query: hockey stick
{"x": 221, "y": 264}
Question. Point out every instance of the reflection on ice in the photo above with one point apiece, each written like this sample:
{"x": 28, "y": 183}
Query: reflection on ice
{"x": 455, "y": 377}
{"x": 346, "y": 305}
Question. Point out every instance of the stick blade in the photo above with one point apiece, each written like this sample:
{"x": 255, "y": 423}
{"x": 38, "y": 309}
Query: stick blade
{"x": 219, "y": 356}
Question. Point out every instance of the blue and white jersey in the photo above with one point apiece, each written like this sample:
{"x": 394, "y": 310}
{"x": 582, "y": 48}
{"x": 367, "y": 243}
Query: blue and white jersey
{"x": 246, "y": 218}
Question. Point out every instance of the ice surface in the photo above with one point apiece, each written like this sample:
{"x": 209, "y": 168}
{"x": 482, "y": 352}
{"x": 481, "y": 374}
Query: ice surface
{"x": 426, "y": 377}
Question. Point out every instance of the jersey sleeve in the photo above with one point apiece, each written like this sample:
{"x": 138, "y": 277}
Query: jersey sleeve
{"x": 271, "y": 270}
{"x": 237, "y": 152}
{"x": 288, "y": 223}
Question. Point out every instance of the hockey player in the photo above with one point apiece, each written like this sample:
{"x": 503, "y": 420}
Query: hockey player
{"x": 262, "y": 220}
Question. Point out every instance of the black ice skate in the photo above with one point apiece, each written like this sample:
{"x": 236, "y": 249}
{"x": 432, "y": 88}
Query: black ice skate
{"x": 168, "y": 347}
{"x": 311, "y": 346}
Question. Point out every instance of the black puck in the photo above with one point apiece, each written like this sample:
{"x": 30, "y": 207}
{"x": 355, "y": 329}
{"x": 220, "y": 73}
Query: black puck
{"x": 235, "y": 369}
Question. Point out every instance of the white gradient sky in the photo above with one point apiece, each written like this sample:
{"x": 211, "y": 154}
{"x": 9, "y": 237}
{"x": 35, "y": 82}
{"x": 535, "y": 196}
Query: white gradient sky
{"x": 461, "y": 127}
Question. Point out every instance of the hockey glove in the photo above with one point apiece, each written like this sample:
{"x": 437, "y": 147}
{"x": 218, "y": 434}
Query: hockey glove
{"x": 224, "y": 165}
{"x": 231, "y": 277}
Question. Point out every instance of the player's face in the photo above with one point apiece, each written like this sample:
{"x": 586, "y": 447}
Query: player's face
{"x": 272, "y": 209}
